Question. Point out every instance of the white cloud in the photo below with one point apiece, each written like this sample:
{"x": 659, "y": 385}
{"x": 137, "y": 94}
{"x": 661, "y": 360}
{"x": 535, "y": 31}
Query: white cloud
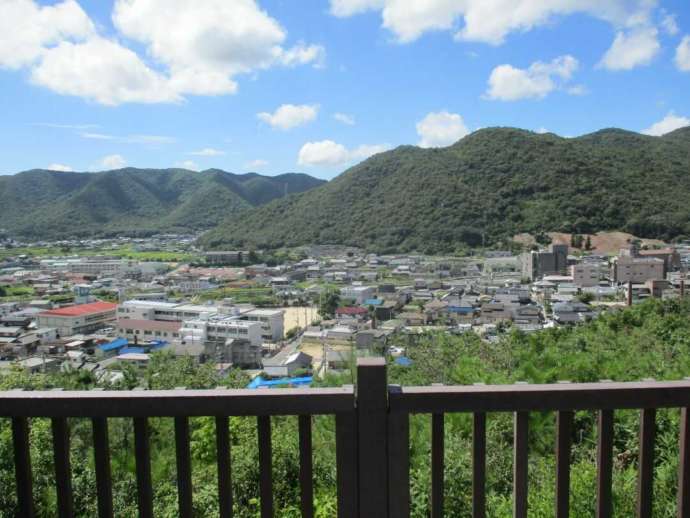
{"x": 507, "y": 83}
{"x": 103, "y": 71}
{"x": 192, "y": 48}
{"x": 669, "y": 123}
{"x": 541, "y": 130}
{"x": 60, "y": 167}
{"x": 80, "y": 127}
{"x": 490, "y": 21}
{"x": 577, "y": 90}
{"x": 131, "y": 139}
{"x": 349, "y": 120}
{"x": 208, "y": 151}
{"x": 330, "y": 153}
{"x": 27, "y": 29}
{"x": 188, "y": 164}
{"x": 290, "y": 116}
{"x": 441, "y": 129}
{"x": 113, "y": 162}
{"x": 683, "y": 55}
{"x": 256, "y": 164}
{"x": 632, "y": 49}
{"x": 669, "y": 23}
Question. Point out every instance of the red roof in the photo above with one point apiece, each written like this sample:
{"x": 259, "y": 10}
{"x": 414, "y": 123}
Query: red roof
{"x": 351, "y": 310}
{"x": 81, "y": 310}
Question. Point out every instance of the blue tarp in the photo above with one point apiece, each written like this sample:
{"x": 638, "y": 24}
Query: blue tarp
{"x": 116, "y": 344}
{"x": 461, "y": 309}
{"x": 403, "y": 361}
{"x": 157, "y": 344}
{"x": 261, "y": 382}
{"x": 130, "y": 350}
{"x": 373, "y": 302}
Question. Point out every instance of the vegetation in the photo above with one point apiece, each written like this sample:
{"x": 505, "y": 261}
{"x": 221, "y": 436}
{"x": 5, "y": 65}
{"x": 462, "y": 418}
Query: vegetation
{"x": 648, "y": 340}
{"x": 486, "y": 188}
{"x": 133, "y": 201}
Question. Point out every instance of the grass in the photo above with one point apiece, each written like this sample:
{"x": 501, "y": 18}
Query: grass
{"x": 259, "y": 296}
{"x": 124, "y": 252}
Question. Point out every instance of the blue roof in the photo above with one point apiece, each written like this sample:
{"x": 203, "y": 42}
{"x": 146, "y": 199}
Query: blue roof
{"x": 461, "y": 309}
{"x": 157, "y": 344}
{"x": 118, "y": 343}
{"x": 261, "y": 382}
{"x": 373, "y": 302}
{"x": 130, "y": 350}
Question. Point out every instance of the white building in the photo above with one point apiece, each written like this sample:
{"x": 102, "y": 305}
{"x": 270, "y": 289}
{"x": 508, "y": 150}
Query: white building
{"x": 357, "y": 293}
{"x": 271, "y": 320}
{"x": 166, "y": 311}
{"x": 220, "y": 329}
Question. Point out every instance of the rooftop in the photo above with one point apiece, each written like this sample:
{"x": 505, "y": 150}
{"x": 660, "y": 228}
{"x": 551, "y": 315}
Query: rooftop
{"x": 80, "y": 309}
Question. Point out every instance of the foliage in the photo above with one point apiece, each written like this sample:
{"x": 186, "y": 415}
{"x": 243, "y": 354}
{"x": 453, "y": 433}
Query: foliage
{"x": 329, "y": 302}
{"x": 486, "y": 188}
{"x": 133, "y": 201}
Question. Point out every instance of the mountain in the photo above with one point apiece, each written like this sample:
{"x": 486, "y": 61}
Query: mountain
{"x": 51, "y": 204}
{"x": 489, "y": 186}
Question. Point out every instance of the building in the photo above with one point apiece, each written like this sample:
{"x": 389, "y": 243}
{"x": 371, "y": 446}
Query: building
{"x": 220, "y": 329}
{"x": 637, "y": 270}
{"x": 271, "y": 320}
{"x": 226, "y": 257}
{"x": 281, "y": 367}
{"x": 586, "y": 275}
{"x": 164, "y": 311}
{"x": 237, "y": 351}
{"x": 553, "y": 261}
{"x": 670, "y": 256}
{"x": 357, "y": 293}
{"x": 79, "y": 319}
{"x": 141, "y": 330}
{"x": 101, "y": 266}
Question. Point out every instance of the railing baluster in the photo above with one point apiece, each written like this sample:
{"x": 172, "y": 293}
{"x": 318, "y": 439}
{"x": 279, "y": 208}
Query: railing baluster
{"x": 101, "y": 454}
{"x": 564, "y": 425}
{"x": 399, "y": 464}
{"x": 346, "y": 463}
{"x": 63, "y": 473}
{"x": 479, "y": 466}
{"x": 520, "y": 466}
{"x": 184, "y": 466}
{"x": 265, "y": 466}
{"x": 306, "y": 480}
{"x": 142, "y": 453}
{"x": 645, "y": 482}
{"x": 224, "y": 467}
{"x": 684, "y": 465}
{"x": 604, "y": 463}
{"x": 437, "y": 465}
{"x": 22, "y": 466}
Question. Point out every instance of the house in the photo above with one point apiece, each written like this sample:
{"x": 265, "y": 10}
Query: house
{"x": 280, "y": 367}
{"x": 571, "y": 312}
{"x": 357, "y": 293}
{"x": 339, "y": 360}
{"x": 351, "y": 313}
{"x": 435, "y": 310}
{"x": 413, "y": 318}
{"x": 372, "y": 339}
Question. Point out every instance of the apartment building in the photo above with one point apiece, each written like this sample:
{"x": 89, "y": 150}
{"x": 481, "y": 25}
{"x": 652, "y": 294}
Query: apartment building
{"x": 553, "y": 261}
{"x": 637, "y": 270}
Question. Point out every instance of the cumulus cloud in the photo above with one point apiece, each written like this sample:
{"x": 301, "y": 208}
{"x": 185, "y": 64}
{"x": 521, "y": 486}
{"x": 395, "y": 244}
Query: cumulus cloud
{"x": 631, "y": 49}
{"x": 490, "y": 21}
{"x": 60, "y": 167}
{"x": 113, "y": 162}
{"x": 290, "y": 116}
{"x": 27, "y": 29}
{"x": 188, "y": 164}
{"x": 330, "y": 153}
{"x": 441, "y": 129}
{"x": 346, "y": 119}
{"x": 508, "y": 83}
{"x": 256, "y": 164}
{"x": 131, "y": 139}
{"x": 208, "y": 151}
{"x": 669, "y": 123}
{"x": 683, "y": 55}
{"x": 192, "y": 48}
{"x": 669, "y": 23}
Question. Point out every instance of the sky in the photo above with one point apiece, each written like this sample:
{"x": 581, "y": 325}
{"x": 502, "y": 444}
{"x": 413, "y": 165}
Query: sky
{"x": 315, "y": 86}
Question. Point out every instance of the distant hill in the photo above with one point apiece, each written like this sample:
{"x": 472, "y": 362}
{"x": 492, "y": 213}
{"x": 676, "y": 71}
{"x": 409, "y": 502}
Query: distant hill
{"x": 487, "y": 187}
{"x": 50, "y": 204}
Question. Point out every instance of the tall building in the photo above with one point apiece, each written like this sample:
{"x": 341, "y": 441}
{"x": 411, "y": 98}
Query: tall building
{"x": 553, "y": 261}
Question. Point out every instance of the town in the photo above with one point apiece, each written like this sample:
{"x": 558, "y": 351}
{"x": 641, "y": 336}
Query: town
{"x": 85, "y": 305}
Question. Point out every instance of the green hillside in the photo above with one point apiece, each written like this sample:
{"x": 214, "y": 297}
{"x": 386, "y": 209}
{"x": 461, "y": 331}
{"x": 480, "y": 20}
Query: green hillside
{"x": 488, "y": 186}
{"x": 50, "y": 204}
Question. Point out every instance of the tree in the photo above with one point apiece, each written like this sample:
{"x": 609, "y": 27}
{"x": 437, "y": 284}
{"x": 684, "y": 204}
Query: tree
{"x": 329, "y": 302}
{"x": 588, "y": 243}
{"x": 3, "y": 291}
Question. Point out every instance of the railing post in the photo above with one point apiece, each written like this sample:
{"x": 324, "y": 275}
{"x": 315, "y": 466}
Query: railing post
{"x": 372, "y": 435}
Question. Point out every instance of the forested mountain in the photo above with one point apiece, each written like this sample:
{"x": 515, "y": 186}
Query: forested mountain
{"x": 51, "y": 204}
{"x": 488, "y": 186}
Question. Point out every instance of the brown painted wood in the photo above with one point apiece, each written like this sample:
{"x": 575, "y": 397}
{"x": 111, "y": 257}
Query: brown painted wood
{"x": 184, "y": 467}
{"x": 684, "y": 465}
{"x": 552, "y": 397}
{"x": 22, "y": 467}
{"x": 346, "y": 463}
{"x": 479, "y": 465}
{"x": 224, "y": 467}
{"x": 399, "y": 464}
{"x": 63, "y": 472}
{"x": 437, "y": 465}
{"x": 645, "y": 480}
{"x": 175, "y": 403}
{"x": 520, "y": 465}
{"x": 372, "y": 441}
{"x": 604, "y": 464}
{"x": 306, "y": 480}
{"x": 101, "y": 453}
{"x": 564, "y": 430}
{"x": 265, "y": 466}
{"x": 142, "y": 454}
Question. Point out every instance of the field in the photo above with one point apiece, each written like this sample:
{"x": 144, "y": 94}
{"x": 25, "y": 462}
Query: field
{"x": 125, "y": 252}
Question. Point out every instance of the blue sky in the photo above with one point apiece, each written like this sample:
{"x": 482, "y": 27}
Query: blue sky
{"x": 317, "y": 85}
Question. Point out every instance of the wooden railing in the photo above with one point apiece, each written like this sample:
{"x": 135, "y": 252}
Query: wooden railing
{"x": 372, "y": 439}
